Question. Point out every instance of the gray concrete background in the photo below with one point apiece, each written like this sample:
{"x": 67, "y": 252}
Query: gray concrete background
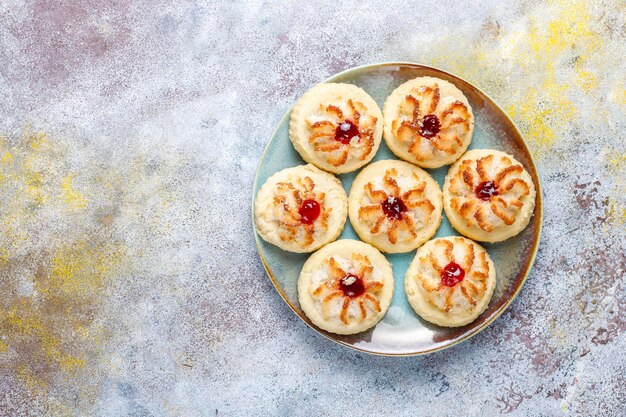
{"x": 129, "y": 280}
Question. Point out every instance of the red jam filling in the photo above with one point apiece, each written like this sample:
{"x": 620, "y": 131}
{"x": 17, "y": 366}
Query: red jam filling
{"x": 346, "y": 131}
{"x": 352, "y": 286}
{"x": 430, "y": 126}
{"x": 452, "y": 274}
{"x": 486, "y": 190}
{"x": 393, "y": 207}
{"x": 309, "y": 211}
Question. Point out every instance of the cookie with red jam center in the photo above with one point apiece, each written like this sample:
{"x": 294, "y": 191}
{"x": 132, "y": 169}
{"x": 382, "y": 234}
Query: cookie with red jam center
{"x": 395, "y": 206}
{"x": 428, "y": 122}
{"x": 300, "y": 209}
{"x": 450, "y": 281}
{"x": 346, "y": 287}
{"x": 336, "y": 127}
{"x": 488, "y": 195}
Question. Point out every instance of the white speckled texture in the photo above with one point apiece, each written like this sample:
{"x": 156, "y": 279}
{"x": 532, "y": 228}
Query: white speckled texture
{"x": 129, "y": 279}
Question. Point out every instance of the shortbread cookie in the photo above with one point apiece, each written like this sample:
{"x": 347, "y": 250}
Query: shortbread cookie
{"x": 346, "y": 287}
{"x": 336, "y": 127}
{"x": 428, "y": 122}
{"x": 450, "y": 281}
{"x": 395, "y": 206}
{"x": 488, "y": 196}
{"x": 300, "y": 209}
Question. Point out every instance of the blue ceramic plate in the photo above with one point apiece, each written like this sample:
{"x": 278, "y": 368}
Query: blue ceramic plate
{"x": 402, "y": 332}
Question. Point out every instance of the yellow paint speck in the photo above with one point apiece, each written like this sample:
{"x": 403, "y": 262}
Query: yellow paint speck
{"x": 557, "y": 333}
{"x": 616, "y": 160}
{"x": 34, "y": 187}
{"x": 21, "y": 323}
{"x": 72, "y": 198}
{"x": 3, "y": 347}
{"x": 36, "y": 140}
{"x": 588, "y": 80}
{"x": 615, "y": 210}
{"x": 34, "y": 384}
{"x": 618, "y": 94}
{"x": 79, "y": 270}
{"x": 615, "y": 213}
{"x": 4, "y": 257}
{"x": 7, "y": 158}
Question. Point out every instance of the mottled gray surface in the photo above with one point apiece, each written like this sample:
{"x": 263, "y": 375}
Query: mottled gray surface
{"x": 129, "y": 280}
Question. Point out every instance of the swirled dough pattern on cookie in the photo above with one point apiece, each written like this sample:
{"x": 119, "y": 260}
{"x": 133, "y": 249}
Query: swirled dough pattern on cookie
{"x": 336, "y": 127}
{"x": 300, "y": 209}
{"x": 395, "y": 206}
{"x": 450, "y": 281}
{"x": 428, "y": 122}
{"x": 346, "y": 287}
{"x": 488, "y": 195}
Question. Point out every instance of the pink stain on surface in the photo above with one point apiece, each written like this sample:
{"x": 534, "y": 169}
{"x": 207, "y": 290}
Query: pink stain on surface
{"x": 58, "y": 37}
